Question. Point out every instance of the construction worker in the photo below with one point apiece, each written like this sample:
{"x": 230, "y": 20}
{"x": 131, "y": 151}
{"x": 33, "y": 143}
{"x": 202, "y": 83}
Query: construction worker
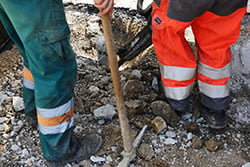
{"x": 216, "y": 26}
{"x": 40, "y": 31}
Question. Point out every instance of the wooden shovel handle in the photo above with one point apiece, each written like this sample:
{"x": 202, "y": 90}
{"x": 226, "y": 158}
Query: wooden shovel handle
{"x": 112, "y": 59}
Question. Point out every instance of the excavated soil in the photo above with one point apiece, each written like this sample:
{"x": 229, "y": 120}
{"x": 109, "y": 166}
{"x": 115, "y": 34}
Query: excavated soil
{"x": 175, "y": 146}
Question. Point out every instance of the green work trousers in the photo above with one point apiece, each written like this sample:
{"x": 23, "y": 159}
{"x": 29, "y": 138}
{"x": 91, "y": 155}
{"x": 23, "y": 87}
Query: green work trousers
{"x": 40, "y": 31}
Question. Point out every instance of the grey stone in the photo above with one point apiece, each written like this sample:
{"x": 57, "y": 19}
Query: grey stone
{"x": 15, "y": 147}
{"x": 18, "y": 103}
{"x": 101, "y": 51}
{"x": 97, "y": 159}
{"x": 25, "y": 153}
{"x": 246, "y": 165}
{"x": 170, "y": 141}
{"x": 94, "y": 90}
{"x": 136, "y": 74}
{"x": 171, "y": 134}
{"x": 3, "y": 97}
{"x": 105, "y": 112}
{"x": 2, "y": 120}
{"x": 189, "y": 136}
{"x": 155, "y": 85}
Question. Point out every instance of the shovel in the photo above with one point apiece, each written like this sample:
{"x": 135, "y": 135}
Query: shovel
{"x": 129, "y": 152}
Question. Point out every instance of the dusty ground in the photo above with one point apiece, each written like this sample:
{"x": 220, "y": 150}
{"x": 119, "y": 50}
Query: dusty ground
{"x": 174, "y": 146}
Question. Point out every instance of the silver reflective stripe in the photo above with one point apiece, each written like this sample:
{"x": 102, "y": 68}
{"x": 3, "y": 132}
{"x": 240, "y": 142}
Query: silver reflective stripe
{"x": 214, "y": 73}
{"x": 178, "y": 93}
{"x": 54, "y": 112}
{"x": 61, "y": 128}
{"x": 177, "y": 73}
{"x": 248, "y": 6}
{"x": 28, "y": 84}
{"x": 214, "y": 91}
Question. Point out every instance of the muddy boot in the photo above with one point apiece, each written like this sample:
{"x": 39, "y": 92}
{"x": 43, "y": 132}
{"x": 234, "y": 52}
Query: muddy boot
{"x": 80, "y": 149}
{"x": 182, "y": 108}
{"x": 215, "y": 119}
{"x": 185, "y": 116}
{"x": 32, "y": 121}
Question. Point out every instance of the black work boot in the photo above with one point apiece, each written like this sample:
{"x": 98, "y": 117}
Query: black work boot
{"x": 81, "y": 148}
{"x": 182, "y": 108}
{"x": 215, "y": 119}
{"x": 185, "y": 116}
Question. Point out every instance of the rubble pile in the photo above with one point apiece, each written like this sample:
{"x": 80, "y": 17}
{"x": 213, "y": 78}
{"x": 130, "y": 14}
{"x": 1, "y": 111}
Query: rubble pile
{"x": 167, "y": 142}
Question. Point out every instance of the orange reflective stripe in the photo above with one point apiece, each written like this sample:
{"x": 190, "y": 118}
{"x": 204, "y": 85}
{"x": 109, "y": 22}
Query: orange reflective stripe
{"x": 222, "y": 81}
{"x": 55, "y": 120}
{"x": 174, "y": 83}
{"x": 27, "y": 74}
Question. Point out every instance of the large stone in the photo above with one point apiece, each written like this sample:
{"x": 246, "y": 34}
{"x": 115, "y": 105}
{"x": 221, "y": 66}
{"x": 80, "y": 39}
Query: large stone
{"x": 212, "y": 144}
{"x": 162, "y": 109}
{"x": 159, "y": 124}
{"x": 18, "y": 103}
{"x": 105, "y": 112}
{"x": 145, "y": 152}
{"x": 158, "y": 162}
{"x": 133, "y": 89}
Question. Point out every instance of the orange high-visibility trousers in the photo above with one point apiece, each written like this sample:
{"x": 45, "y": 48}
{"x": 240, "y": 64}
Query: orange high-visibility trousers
{"x": 216, "y": 26}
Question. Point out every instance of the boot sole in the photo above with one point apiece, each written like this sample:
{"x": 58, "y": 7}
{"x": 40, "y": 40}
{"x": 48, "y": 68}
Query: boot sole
{"x": 211, "y": 123}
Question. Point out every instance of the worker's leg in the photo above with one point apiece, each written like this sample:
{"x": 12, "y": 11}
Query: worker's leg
{"x": 42, "y": 27}
{"x": 170, "y": 18}
{"x": 28, "y": 87}
{"x": 214, "y": 35}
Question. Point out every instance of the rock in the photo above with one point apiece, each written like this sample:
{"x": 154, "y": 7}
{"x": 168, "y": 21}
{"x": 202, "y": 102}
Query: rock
{"x": 133, "y": 106}
{"x": 155, "y": 85}
{"x": 15, "y": 147}
{"x": 136, "y": 74}
{"x": 192, "y": 127}
{"x": 94, "y": 90}
{"x": 3, "y": 97}
{"x": 97, "y": 159}
{"x": 2, "y": 120}
{"x": 109, "y": 159}
{"x": 240, "y": 111}
{"x": 101, "y": 122}
{"x": 159, "y": 124}
{"x": 105, "y": 112}
{"x": 197, "y": 142}
{"x": 162, "y": 109}
{"x": 25, "y": 153}
{"x": 189, "y": 136}
{"x": 171, "y": 134}
{"x": 145, "y": 152}
{"x": 246, "y": 165}
{"x": 18, "y": 103}
{"x": 212, "y": 144}
{"x": 93, "y": 26}
{"x": 170, "y": 141}
{"x": 133, "y": 89}
{"x": 101, "y": 51}
{"x": 158, "y": 162}
{"x": 4, "y": 128}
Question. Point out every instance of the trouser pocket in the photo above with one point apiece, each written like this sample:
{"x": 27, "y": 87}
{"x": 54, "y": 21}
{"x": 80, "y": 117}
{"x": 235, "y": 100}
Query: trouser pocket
{"x": 55, "y": 44}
